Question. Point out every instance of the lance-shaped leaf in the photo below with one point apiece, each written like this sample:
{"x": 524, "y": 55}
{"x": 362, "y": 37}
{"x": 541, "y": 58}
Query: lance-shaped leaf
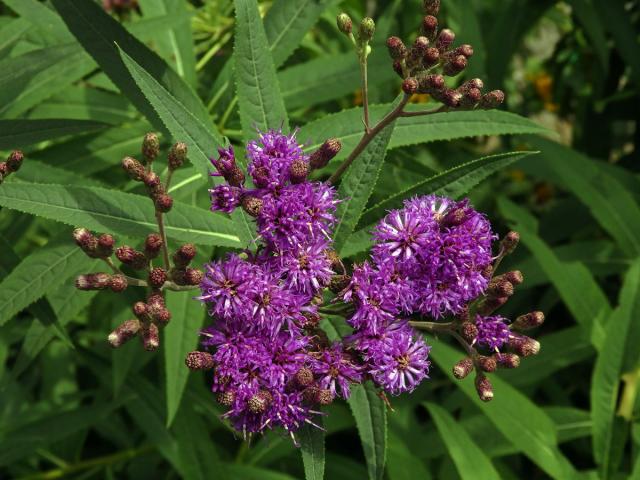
{"x": 20, "y": 133}
{"x": 118, "y": 212}
{"x": 259, "y": 98}
{"x": 312, "y": 448}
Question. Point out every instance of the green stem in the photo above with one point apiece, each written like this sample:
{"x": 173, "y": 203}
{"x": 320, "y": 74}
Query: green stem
{"x": 163, "y": 235}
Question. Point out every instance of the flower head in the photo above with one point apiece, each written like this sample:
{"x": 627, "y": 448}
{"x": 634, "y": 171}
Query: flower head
{"x": 493, "y": 332}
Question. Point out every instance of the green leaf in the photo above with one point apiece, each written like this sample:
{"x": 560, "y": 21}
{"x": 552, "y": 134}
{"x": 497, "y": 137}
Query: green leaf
{"x": 347, "y": 126}
{"x": 573, "y": 281}
{"x": 259, "y": 98}
{"x": 50, "y": 26}
{"x": 312, "y": 447}
{"x": 181, "y": 123}
{"x": 20, "y": 133}
{"x": 180, "y": 338}
{"x": 592, "y": 23}
{"x": 402, "y": 464}
{"x": 38, "y": 274}
{"x": 118, "y": 212}
{"x": 524, "y": 424}
{"x": 100, "y": 34}
{"x": 607, "y": 374}
{"x": 357, "y": 184}
{"x": 470, "y": 460}
{"x": 451, "y": 183}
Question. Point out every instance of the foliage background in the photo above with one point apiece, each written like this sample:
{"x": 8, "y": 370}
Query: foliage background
{"x": 69, "y": 406}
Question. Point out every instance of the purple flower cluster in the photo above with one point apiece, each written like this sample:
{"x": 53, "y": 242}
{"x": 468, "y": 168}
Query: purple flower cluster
{"x": 493, "y": 332}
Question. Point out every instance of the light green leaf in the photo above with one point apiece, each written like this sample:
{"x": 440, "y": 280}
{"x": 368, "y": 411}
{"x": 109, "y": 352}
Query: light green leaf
{"x": 607, "y": 374}
{"x": 20, "y": 133}
{"x": 524, "y": 424}
{"x": 259, "y": 98}
{"x": 118, "y": 212}
{"x": 312, "y": 447}
{"x": 180, "y": 338}
{"x": 470, "y": 460}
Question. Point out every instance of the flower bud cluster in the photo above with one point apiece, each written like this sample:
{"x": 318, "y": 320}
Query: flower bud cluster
{"x": 433, "y": 56}
{"x": 11, "y": 165}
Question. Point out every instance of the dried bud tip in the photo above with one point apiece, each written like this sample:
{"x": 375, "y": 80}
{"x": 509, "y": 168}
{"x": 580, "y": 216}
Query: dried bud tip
{"x": 484, "y": 388}
{"x": 199, "y": 361}
{"x": 84, "y": 239}
{"x": 523, "y": 345}
{"x": 345, "y": 25}
{"x": 463, "y": 368}
{"x": 14, "y": 161}
{"x": 150, "y": 147}
{"x": 125, "y": 332}
{"x": 177, "y": 155}
{"x": 367, "y": 29}
{"x": 528, "y": 321}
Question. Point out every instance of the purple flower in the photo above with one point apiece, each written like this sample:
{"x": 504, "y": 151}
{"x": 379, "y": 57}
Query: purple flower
{"x": 335, "y": 371}
{"x": 400, "y": 362}
{"x": 493, "y": 332}
{"x": 224, "y": 198}
{"x": 401, "y": 235}
{"x": 306, "y": 268}
{"x": 270, "y": 158}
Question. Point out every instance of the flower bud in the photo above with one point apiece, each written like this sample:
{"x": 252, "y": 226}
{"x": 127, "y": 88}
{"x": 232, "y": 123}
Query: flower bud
{"x": 178, "y": 275}
{"x": 338, "y": 283}
{"x": 105, "y": 245}
{"x": 150, "y": 147}
{"x": 463, "y": 368}
{"x": 150, "y": 337}
{"x": 259, "y": 402}
{"x": 152, "y": 181}
{"x": 157, "y": 277}
{"x": 14, "y": 161}
{"x": 86, "y": 241}
{"x": 131, "y": 257}
{"x": 325, "y": 397}
{"x": 487, "y": 364}
{"x": 183, "y": 256}
{"x": 193, "y": 276}
{"x": 431, "y": 57}
{"x": 156, "y": 307}
{"x": 134, "y": 168}
{"x": 252, "y": 205}
{"x": 345, "y": 25}
{"x": 468, "y": 331}
{"x": 367, "y": 29}
{"x": 431, "y": 7}
{"x": 507, "y": 360}
{"x": 333, "y": 258}
{"x": 93, "y": 281}
{"x": 487, "y": 272}
{"x": 492, "y": 99}
{"x": 466, "y": 50}
{"x": 118, "y": 283}
{"x": 155, "y": 299}
{"x": 199, "y": 361}
{"x": 528, "y": 321}
{"x": 226, "y": 398}
{"x": 304, "y": 377}
{"x": 163, "y": 203}
{"x": 396, "y": 47}
{"x": 484, "y": 388}
{"x": 491, "y": 304}
{"x": 514, "y": 276}
{"x": 397, "y": 67}
{"x": 454, "y": 217}
{"x": 140, "y": 310}
{"x": 523, "y": 345}
{"x": 3, "y": 173}
{"x": 448, "y": 97}
{"x": 162, "y": 317}
{"x": 500, "y": 288}
{"x": 410, "y": 86}
{"x": 454, "y": 65}
{"x": 125, "y": 332}
{"x": 418, "y": 50}
{"x": 328, "y": 150}
{"x": 152, "y": 245}
{"x": 509, "y": 243}
{"x": 177, "y": 155}
{"x": 430, "y": 27}
{"x": 298, "y": 171}
{"x": 470, "y": 97}
{"x": 431, "y": 83}
{"x": 445, "y": 39}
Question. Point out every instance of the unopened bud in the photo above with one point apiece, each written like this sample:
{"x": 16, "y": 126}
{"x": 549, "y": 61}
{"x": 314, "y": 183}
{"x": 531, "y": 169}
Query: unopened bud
{"x": 509, "y": 242}
{"x": 118, "y": 283}
{"x": 338, "y": 283}
{"x": 150, "y": 337}
{"x": 492, "y": 99}
{"x": 448, "y": 97}
{"x": 507, "y": 360}
{"x": 183, "y": 256}
{"x": 156, "y": 307}
{"x": 445, "y": 39}
{"x": 298, "y": 171}
{"x": 431, "y": 7}
{"x": 226, "y": 398}
{"x": 134, "y": 168}
{"x": 125, "y": 332}
{"x": 152, "y": 182}
{"x": 454, "y": 217}
{"x": 177, "y": 155}
{"x": 131, "y": 257}
{"x": 163, "y": 203}
{"x": 252, "y": 205}
{"x": 468, "y": 331}
{"x": 418, "y": 50}
{"x": 105, "y": 245}
{"x": 140, "y": 310}
{"x": 500, "y": 288}
{"x": 367, "y": 29}
{"x": 397, "y": 49}
{"x": 328, "y": 150}
{"x": 491, "y": 304}
{"x": 178, "y": 275}
{"x": 397, "y": 67}
{"x": 86, "y": 241}
{"x": 345, "y": 25}
{"x": 454, "y": 65}
{"x": 466, "y": 50}
{"x": 152, "y": 245}
{"x": 157, "y": 277}
{"x": 430, "y": 27}
{"x": 514, "y": 276}
{"x": 431, "y": 83}
{"x": 528, "y": 321}
{"x": 162, "y": 317}
{"x": 487, "y": 364}
{"x": 431, "y": 57}
{"x": 463, "y": 368}
{"x": 193, "y": 276}
{"x": 325, "y": 397}
{"x": 523, "y": 345}
{"x": 14, "y": 161}
{"x": 304, "y": 377}
{"x": 150, "y": 147}
{"x": 470, "y": 97}
{"x": 93, "y": 281}
{"x": 484, "y": 388}
{"x": 259, "y": 402}
{"x": 410, "y": 86}
{"x": 199, "y": 361}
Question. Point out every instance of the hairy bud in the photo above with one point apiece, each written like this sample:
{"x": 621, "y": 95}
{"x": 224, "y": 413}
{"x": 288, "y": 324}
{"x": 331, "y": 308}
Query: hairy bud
{"x": 93, "y": 281}
{"x": 152, "y": 181}
{"x": 152, "y": 245}
{"x": 118, "y": 283}
{"x": 328, "y": 150}
{"x": 193, "y": 276}
{"x": 470, "y": 97}
{"x": 492, "y": 99}
{"x": 199, "y": 361}
{"x": 134, "y": 168}
{"x": 397, "y": 49}
{"x": 226, "y": 398}
{"x": 468, "y": 331}
{"x": 105, "y": 245}
{"x": 528, "y": 321}
{"x": 445, "y": 39}
{"x": 523, "y": 345}
{"x": 345, "y": 25}
{"x": 410, "y": 85}
{"x": 125, "y": 332}
{"x": 397, "y": 67}
{"x": 157, "y": 277}
{"x": 150, "y": 337}
{"x": 507, "y": 360}
{"x": 491, "y": 304}
{"x": 484, "y": 388}
{"x": 463, "y": 368}
{"x": 14, "y": 161}
{"x": 430, "y": 27}
{"x": 150, "y": 147}
{"x": 252, "y": 205}
{"x": 304, "y": 377}
{"x": 466, "y": 50}
{"x": 431, "y": 7}
{"x": 259, "y": 402}
{"x": 298, "y": 171}
{"x": 448, "y": 97}
{"x": 454, "y": 65}
{"x": 367, "y": 29}
{"x": 86, "y": 241}
{"x": 177, "y": 155}
{"x": 418, "y": 50}
{"x": 431, "y": 57}
{"x": 140, "y": 310}
{"x": 431, "y": 83}
{"x": 487, "y": 364}
{"x": 500, "y": 288}
{"x": 163, "y": 203}
{"x": 183, "y": 256}
{"x": 325, "y": 397}
{"x": 131, "y": 257}
{"x": 509, "y": 243}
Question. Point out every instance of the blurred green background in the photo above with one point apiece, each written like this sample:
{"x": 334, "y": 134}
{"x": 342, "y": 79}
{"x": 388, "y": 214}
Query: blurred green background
{"x": 71, "y": 407}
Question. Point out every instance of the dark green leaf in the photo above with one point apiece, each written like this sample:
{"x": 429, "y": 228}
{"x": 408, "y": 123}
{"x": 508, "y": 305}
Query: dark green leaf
{"x": 20, "y": 133}
{"x": 312, "y": 447}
